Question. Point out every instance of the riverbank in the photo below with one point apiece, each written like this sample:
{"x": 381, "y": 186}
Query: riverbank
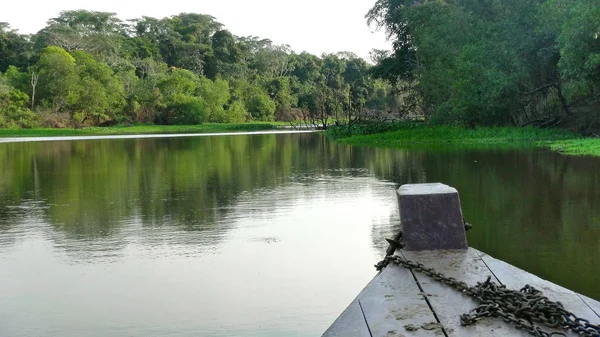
{"x": 141, "y": 129}
{"x": 422, "y": 135}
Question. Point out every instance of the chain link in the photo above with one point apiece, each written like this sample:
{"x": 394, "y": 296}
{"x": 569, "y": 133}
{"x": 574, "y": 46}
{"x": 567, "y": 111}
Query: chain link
{"x": 522, "y": 308}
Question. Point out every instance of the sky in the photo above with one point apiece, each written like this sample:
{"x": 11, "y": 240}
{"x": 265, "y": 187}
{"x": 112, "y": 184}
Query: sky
{"x": 315, "y": 26}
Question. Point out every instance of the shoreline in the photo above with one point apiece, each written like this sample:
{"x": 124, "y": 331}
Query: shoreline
{"x": 557, "y": 140}
{"x": 405, "y": 136}
{"x": 145, "y": 136}
{"x": 142, "y": 129}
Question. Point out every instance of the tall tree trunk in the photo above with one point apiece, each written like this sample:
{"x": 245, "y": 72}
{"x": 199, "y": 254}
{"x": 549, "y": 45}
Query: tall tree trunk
{"x": 563, "y": 101}
{"x": 34, "y": 81}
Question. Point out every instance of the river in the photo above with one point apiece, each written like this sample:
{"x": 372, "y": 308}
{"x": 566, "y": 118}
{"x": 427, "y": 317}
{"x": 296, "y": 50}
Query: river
{"x": 255, "y": 235}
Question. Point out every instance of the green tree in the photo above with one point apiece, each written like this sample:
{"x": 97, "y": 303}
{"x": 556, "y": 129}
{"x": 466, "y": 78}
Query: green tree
{"x": 13, "y": 108}
{"x": 58, "y": 79}
{"x": 575, "y": 26}
{"x": 178, "y": 81}
{"x": 473, "y": 62}
{"x": 216, "y": 95}
{"x": 226, "y": 58}
{"x": 99, "y": 33}
{"x": 17, "y": 78}
{"x": 259, "y": 104}
{"x": 184, "y": 40}
{"x": 334, "y": 90}
{"x": 94, "y": 68}
{"x": 100, "y": 93}
{"x": 268, "y": 60}
{"x": 145, "y": 99}
{"x": 15, "y": 49}
{"x": 280, "y": 91}
{"x": 185, "y": 110}
{"x": 155, "y": 39}
{"x": 236, "y": 113}
{"x": 360, "y": 86}
{"x": 174, "y": 98}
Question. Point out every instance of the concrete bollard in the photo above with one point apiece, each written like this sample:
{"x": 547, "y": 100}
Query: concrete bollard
{"x": 431, "y": 217}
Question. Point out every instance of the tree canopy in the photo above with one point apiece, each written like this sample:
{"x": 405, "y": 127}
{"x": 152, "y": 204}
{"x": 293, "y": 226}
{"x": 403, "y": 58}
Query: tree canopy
{"x": 491, "y": 62}
{"x": 92, "y": 68}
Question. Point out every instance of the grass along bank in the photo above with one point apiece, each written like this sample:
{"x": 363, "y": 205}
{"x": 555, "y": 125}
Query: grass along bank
{"x": 141, "y": 129}
{"x": 577, "y": 147}
{"x": 422, "y": 135}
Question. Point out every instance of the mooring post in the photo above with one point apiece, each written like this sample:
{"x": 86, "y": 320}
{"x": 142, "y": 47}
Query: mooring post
{"x": 431, "y": 217}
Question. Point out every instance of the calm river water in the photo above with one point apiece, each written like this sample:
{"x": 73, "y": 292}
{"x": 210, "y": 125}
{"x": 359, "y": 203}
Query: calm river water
{"x": 255, "y": 235}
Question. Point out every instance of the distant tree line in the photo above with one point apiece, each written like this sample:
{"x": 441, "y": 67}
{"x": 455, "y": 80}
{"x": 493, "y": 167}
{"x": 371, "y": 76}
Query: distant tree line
{"x": 91, "y": 68}
{"x": 489, "y": 62}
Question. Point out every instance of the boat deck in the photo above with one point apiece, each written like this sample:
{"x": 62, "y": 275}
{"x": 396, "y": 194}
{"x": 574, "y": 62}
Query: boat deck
{"x": 401, "y": 302}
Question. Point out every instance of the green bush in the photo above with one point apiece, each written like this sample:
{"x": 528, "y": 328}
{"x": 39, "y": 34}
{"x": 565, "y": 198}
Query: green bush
{"x": 261, "y": 107}
{"x": 236, "y": 113}
{"x": 14, "y": 112}
{"x": 184, "y": 110}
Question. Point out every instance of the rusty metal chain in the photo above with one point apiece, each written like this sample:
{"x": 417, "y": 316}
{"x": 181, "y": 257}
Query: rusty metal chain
{"x": 523, "y": 308}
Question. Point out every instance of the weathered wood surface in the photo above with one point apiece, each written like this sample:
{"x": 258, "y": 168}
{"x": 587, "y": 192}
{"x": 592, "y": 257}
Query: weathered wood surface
{"x": 516, "y": 278}
{"x": 391, "y": 305}
{"x": 592, "y": 303}
{"x": 394, "y": 304}
{"x": 351, "y": 323}
{"x": 447, "y": 303}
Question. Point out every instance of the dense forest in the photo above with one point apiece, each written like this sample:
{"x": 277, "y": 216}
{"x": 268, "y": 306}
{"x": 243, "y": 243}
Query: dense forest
{"x": 467, "y": 62}
{"x": 491, "y": 62}
{"x": 91, "y": 68}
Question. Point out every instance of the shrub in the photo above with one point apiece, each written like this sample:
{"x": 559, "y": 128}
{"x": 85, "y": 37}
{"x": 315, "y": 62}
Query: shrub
{"x": 14, "y": 112}
{"x": 184, "y": 110}
{"x": 261, "y": 107}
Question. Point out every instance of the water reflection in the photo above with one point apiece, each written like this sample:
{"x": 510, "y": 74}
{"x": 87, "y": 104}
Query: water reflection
{"x": 92, "y": 189}
{"x": 262, "y": 235}
{"x": 535, "y": 209}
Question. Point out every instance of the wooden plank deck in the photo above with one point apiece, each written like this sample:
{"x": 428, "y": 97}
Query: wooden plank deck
{"x": 390, "y": 302}
{"x": 399, "y": 302}
{"x": 514, "y": 277}
{"x": 593, "y": 304}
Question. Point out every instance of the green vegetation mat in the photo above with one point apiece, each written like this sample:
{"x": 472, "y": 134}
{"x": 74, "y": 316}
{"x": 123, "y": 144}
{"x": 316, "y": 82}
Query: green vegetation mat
{"x": 421, "y": 135}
